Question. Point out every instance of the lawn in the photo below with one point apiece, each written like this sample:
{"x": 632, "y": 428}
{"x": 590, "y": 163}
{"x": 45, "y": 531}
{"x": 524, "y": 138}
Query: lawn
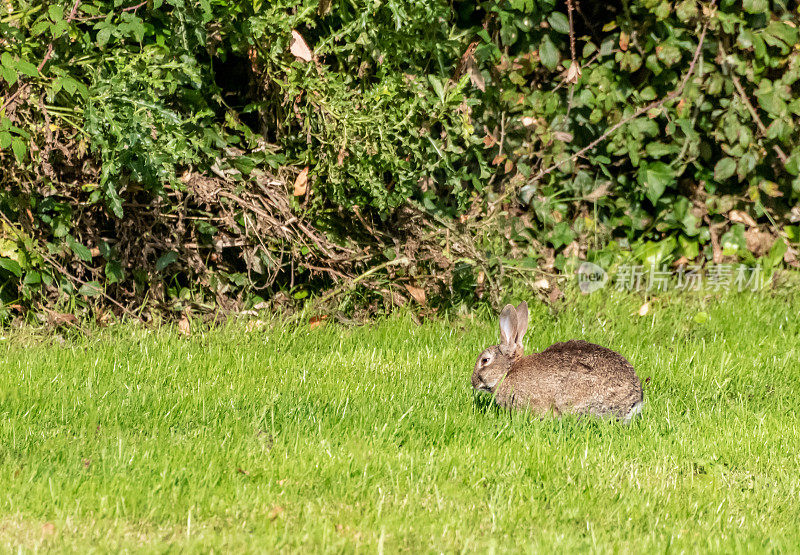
{"x": 369, "y": 438}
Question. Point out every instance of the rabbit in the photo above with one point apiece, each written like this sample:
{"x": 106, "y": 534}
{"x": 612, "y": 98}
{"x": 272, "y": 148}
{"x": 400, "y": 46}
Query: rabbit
{"x": 574, "y": 377}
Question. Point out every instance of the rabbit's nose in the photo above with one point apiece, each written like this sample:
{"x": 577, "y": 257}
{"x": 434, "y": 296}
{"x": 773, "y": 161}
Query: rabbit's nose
{"x": 476, "y": 381}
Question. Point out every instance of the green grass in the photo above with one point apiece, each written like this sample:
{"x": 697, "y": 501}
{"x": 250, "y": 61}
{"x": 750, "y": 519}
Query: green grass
{"x": 369, "y": 438}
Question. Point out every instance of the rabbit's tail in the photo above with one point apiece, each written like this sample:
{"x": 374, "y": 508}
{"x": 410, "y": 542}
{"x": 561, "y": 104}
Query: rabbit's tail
{"x": 635, "y": 411}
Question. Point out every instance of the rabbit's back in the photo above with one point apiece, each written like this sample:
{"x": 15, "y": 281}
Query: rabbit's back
{"x": 573, "y": 377}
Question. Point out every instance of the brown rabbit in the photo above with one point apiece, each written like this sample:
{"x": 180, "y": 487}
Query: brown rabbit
{"x": 573, "y": 377}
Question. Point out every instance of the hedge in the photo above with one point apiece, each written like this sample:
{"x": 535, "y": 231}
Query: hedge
{"x": 212, "y": 154}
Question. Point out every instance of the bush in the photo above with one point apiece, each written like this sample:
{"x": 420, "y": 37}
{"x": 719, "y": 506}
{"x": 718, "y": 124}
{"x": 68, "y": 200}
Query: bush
{"x": 216, "y": 153}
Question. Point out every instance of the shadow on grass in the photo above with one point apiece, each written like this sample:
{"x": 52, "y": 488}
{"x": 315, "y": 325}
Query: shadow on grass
{"x": 485, "y": 405}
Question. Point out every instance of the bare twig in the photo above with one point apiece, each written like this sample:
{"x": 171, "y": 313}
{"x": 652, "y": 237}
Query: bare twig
{"x": 351, "y": 283}
{"x": 655, "y": 104}
{"x": 574, "y": 66}
{"x": 570, "y": 8}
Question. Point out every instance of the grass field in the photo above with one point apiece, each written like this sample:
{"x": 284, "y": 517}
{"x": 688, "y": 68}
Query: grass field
{"x": 369, "y": 438}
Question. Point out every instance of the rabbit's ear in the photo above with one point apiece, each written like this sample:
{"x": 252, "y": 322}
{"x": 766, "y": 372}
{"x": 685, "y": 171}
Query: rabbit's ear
{"x": 508, "y": 325}
{"x": 522, "y": 322}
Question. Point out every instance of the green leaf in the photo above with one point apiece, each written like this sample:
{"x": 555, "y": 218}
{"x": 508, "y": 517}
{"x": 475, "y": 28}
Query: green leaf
{"x": 56, "y": 12}
{"x": 24, "y": 66}
{"x": 5, "y": 139}
{"x": 437, "y": 86}
{"x": 244, "y": 164}
{"x": 165, "y": 260}
{"x": 561, "y": 235}
{"x": 548, "y": 53}
{"x": 776, "y": 253}
{"x": 747, "y": 163}
{"x": 792, "y": 164}
{"x": 724, "y": 169}
{"x": 69, "y": 84}
{"x": 11, "y": 265}
{"x": 40, "y": 27}
{"x": 780, "y": 30}
{"x": 80, "y": 250}
{"x": 19, "y": 148}
{"x": 755, "y": 6}
{"x": 700, "y": 317}
{"x": 686, "y": 10}
{"x": 32, "y": 278}
{"x": 90, "y": 289}
{"x": 8, "y": 60}
{"x": 103, "y": 36}
{"x": 59, "y": 29}
{"x": 656, "y": 149}
{"x": 655, "y": 177}
{"x": 668, "y": 53}
{"x": 114, "y": 271}
{"x": 9, "y": 75}
{"x": 559, "y": 22}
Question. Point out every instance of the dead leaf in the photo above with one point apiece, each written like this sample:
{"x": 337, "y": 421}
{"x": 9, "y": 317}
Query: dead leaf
{"x": 758, "y": 242}
{"x": 794, "y": 214}
{"x": 87, "y": 463}
{"x": 323, "y": 7}
{"x": 276, "y": 511}
{"x": 541, "y": 284}
{"x": 301, "y": 183}
{"x": 573, "y": 249}
{"x": 48, "y": 528}
{"x": 184, "y": 326}
{"x": 255, "y": 325}
{"x": 555, "y": 294}
{"x": 299, "y": 48}
{"x": 60, "y": 318}
{"x": 599, "y": 193}
{"x": 475, "y": 76}
{"x": 770, "y": 188}
{"x": 644, "y": 309}
{"x": 417, "y": 293}
{"x": 480, "y": 287}
{"x": 790, "y": 257}
{"x": 573, "y": 73}
{"x": 563, "y": 136}
{"x": 317, "y": 321}
{"x": 242, "y": 471}
{"x": 624, "y": 40}
{"x": 741, "y": 217}
{"x": 527, "y": 121}
{"x": 682, "y": 261}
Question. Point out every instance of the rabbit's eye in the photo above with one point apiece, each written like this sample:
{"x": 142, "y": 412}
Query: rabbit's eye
{"x": 485, "y": 360}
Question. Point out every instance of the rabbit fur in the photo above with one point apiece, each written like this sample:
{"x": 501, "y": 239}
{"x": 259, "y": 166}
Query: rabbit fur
{"x": 575, "y": 377}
